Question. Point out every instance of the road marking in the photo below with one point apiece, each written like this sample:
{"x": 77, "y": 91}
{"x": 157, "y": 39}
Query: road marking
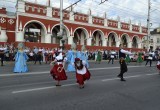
{"x": 48, "y": 72}
{"x": 49, "y": 82}
{"x": 36, "y": 89}
{"x": 66, "y": 85}
{"x": 42, "y": 88}
{"x": 129, "y": 77}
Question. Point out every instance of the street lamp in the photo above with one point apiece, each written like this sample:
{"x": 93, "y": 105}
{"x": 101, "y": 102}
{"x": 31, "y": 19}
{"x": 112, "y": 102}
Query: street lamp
{"x": 60, "y": 34}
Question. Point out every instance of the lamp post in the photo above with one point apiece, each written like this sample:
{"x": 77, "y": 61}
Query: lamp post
{"x": 60, "y": 34}
{"x": 148, "y": 25}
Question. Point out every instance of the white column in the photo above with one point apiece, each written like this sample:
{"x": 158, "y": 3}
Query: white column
{"x": 105, "y": 19}
{"x": 71, "y": 16}
{"x": 139, "y": 45}
{"x": 90, "y": 17}
{"x": 104, "y": 42}
{"x": 140, "y": 27}
{"x": 105, "y": 22}
{"x": 82, "y": 39}
{"x": 20, "y": 36}
{"x": 49, "y": 11}
{"x": 119, "y": 22}
{"x": 3, "y": 36}
{"x": 130, "y": 44}
{"x": 117, "y": 43}
{"x": 21, "y": 6}
{"x": 89, "y": 41}
{"x": 48, "y": 38}
{"x": 90, "y": 20}
{"x": 130, "y": 25}
{"x": 70, "y": 40}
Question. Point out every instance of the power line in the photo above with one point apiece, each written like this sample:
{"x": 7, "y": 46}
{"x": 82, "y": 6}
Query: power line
{"x": 124, "y": 11}
{"x": 102, "y": 1}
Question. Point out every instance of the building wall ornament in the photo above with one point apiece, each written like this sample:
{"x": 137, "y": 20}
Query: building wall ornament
{"x": 2, "y": 20}
{"x": 11, "y": 21}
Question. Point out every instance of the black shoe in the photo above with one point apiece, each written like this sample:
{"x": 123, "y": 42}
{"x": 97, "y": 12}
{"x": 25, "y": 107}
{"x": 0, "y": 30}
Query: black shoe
{"x": 123, "y": 79}
{"x": 58, "y": 85}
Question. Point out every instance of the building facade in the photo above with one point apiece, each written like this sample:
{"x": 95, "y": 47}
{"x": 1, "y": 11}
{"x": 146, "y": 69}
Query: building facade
{"x": 155, "y": 39}
{"x": 39, "y": 24}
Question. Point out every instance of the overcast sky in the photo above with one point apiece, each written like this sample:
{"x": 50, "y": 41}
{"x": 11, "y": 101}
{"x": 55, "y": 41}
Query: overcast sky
{"x": 136, "y": 10}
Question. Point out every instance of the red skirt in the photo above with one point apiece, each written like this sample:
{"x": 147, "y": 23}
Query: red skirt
{"x": 58, "y": 73}
{"x": 158, "y": 66}
{"x": 81, "y": 78}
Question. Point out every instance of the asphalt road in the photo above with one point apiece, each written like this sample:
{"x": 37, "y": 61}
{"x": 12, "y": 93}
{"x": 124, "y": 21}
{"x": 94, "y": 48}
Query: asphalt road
{"x": 36, "y": 90}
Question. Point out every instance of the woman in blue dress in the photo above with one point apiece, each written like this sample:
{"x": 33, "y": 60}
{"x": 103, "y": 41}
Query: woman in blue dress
{"x": 71, "y": 55}
{"x": 84, "y": 56}
{"x": 20, "y": 60}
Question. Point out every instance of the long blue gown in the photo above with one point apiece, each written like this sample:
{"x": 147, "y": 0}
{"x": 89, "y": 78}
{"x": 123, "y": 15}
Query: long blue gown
{"x": 84, "y": 57}
{"x": 20, "y": 62}
{"x": 71, "y": 59}
{"x": 78, "y": 55}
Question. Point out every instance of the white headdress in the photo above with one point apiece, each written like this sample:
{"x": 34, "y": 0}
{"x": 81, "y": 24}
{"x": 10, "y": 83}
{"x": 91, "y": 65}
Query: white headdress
{"x": 60, "y": 50}
{"x": 20, "y": 46}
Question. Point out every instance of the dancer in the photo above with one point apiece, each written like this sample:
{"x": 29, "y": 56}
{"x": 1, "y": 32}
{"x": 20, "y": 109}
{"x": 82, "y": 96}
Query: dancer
{"x": 2, "y": 52}
{"x": 99, "y": 57}
{"x": 128, "y": 59}
{"x": 158, "y": 65}
{"x": 139, "y": 59}
{"x": 149, "y": 59}
{"x": 71, "y": 55}
{"x": 20, "y": 60}
{"x": 84, "y": 56}
{"x": 123, "y": 65}
{"x": 82, "y": 73}
{"x": 112, "y": 55}
{"x": 58, "y": 73}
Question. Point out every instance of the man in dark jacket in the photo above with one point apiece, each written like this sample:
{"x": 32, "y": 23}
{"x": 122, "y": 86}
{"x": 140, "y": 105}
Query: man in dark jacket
{"x": 123, "y": 65}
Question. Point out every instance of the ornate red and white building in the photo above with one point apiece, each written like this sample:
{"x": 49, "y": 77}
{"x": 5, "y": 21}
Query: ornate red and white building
{"x": 38, "y": 25}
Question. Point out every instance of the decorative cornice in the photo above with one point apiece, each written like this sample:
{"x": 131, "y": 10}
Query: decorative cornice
{"x": 79, "y": 23}
{"x": 4, "y": 15}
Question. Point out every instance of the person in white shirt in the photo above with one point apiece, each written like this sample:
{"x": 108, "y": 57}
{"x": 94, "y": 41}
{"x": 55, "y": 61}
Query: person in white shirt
{"x": 112, "y": 56}
{"x": 149, "y": 59}
{"x": 2, "y": 52}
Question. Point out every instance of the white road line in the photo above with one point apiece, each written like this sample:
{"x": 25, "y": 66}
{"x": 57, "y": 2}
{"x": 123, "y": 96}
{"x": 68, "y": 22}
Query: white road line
{"x": 29, "y": 73}
{"x": 36, "y": 89}
{"x": 42, "y": 88}
{"x": 47, "y": 72}
{"x": 151, "y": 74}
{"x": 66, "y": 85}
{"x": 129, "y": 77}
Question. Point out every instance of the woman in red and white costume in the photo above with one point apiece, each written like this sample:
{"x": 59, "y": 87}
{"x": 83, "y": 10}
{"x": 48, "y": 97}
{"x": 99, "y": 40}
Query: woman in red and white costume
{"x": 158, "y": 65}
{"x": 58, "y": 73}
{"x": 82, "y": 72}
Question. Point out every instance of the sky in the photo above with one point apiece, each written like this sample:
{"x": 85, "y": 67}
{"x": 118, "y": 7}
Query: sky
{"x": 134, "y": 10}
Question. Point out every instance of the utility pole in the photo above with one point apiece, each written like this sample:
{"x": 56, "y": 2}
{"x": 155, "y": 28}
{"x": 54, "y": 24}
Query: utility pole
{"x": 148, "y": 24}
{"x": 60, "y": 34}
{"x": 61, "y": 17}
